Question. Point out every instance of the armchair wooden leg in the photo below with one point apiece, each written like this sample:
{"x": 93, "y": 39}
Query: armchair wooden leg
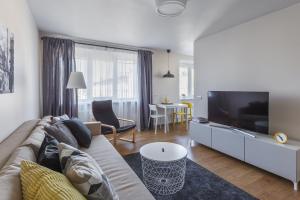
{"x": 114, "y": 138}
{"x": 174, "y": 120}
{"x": 133, "y": 136}
{"x": 133, "y": 132}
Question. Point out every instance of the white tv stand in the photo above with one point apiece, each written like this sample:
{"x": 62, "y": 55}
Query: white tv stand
{"x": 256, "y": 149}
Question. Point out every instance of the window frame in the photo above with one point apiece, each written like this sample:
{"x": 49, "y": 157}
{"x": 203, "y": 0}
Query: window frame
{"x": 189, "y": 65}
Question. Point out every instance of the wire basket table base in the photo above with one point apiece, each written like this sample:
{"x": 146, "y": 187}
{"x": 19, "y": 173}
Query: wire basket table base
{"x": 164, "y": 177}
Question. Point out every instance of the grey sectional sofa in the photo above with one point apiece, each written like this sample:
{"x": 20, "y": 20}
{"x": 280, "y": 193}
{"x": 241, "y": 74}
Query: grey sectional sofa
{"x": 24, "y": 143}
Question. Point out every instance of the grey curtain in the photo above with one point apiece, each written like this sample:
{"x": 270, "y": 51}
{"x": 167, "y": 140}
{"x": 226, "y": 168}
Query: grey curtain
{"x": 145, "y": 82}
{"x": 58, "y": 63}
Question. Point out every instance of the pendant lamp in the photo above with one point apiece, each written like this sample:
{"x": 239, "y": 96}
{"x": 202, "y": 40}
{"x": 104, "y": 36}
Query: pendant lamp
{"x": 168, "y": 74}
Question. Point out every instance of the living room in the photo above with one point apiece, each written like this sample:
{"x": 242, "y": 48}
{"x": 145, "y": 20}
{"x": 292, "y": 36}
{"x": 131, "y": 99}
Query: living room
{"x": 149, "y": 99}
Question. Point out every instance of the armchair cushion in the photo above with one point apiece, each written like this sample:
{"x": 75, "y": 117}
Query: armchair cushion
{"x": 103, "y": 112}
{"x": 120, "y": 130}
{"x": 126, "y": 128}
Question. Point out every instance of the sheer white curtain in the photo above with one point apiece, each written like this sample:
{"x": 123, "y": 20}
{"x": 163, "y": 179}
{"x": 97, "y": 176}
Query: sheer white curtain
{"x": 109, "y": 74}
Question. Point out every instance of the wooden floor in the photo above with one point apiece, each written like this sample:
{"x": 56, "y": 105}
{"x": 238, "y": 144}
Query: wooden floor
{"x": 259, "y": 183}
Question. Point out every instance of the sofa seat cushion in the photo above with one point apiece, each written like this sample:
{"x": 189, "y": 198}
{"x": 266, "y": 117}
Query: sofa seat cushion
{"x": 125, "y": 182}
{"x": 10, "y": 182}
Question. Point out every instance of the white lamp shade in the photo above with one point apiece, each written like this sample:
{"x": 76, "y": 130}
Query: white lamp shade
{"x": 76, "y": 81}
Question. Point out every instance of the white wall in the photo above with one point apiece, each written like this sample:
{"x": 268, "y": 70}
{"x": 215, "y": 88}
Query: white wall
{"x": 166, "y": 87}
{"x": 23, "y": 104}
{"x": 261, "y": 55}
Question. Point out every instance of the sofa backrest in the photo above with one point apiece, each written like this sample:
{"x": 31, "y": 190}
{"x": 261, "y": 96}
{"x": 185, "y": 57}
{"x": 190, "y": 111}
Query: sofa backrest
{"x": 15, "y": 139}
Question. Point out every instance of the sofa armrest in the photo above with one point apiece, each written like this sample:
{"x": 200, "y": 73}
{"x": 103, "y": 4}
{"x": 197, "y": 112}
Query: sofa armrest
{"x": 95, "y": 127}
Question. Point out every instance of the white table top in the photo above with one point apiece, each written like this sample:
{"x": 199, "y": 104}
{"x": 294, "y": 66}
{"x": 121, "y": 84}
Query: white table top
{"x": 173, "y": 105}
{"x": 163, "y": 151}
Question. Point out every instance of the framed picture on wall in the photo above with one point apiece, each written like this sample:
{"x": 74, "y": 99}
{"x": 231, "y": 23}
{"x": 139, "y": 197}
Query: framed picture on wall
{"x": 6, "y": 61}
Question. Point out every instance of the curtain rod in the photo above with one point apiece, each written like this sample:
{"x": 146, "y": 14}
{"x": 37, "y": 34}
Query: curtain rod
{"x": 95, "y": 43}
{"x": 106, "y": 46}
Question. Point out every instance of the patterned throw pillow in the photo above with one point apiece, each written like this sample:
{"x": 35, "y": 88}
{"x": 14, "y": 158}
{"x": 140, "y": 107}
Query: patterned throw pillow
{"x": 41, "y": 183}
{"x": 85, "y": 174}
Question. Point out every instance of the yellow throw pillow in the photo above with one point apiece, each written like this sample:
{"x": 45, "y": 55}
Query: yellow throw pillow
{"x": 41, "y": 183}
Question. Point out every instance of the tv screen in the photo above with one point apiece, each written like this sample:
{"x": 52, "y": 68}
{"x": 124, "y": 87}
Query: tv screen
{"x": 243, "y": 110}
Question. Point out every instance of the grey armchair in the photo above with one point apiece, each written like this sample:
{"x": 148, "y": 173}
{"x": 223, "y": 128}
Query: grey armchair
{"x": 110, "y": 124}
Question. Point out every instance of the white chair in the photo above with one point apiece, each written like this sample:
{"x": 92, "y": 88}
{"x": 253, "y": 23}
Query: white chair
{"x": 154, "y": 114}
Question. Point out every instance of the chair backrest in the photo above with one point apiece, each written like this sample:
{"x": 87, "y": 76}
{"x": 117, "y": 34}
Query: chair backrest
{"x": 103, "y": 112}
{"x": 153, "y": 109}
{"x": 189, "y": 104}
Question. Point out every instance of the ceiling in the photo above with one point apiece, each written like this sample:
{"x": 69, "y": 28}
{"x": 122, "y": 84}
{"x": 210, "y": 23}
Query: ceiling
{"x": 135, "y": 22}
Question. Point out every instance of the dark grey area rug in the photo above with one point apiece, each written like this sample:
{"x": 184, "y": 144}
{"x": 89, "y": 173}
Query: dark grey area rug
{"x": 200, "y": 183}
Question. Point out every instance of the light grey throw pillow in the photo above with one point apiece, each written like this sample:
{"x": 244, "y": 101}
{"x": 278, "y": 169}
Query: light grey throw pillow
{"x": 85, "y": 174}
{"x": 60, "y": 118}
{"x": 62, "y": 134}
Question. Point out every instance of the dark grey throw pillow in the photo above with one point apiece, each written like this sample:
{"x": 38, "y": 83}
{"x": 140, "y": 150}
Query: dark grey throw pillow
{"x": 82, "y": 134}
{"x": 62, "y": 133}
{"x": 48, "y": 155}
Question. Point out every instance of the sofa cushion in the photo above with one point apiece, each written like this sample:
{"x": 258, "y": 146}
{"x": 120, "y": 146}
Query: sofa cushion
{"x": 125, "y": 182}
{"x": 82, "y": 134}
{"x": 62, "y": 133}
{"x": 60, "y": 118}
{"x": 39, "y": 182}
{"x": 48, "y": 154}
{"x": 85, "y": 174}
{"x": 10, "y": 182}
{"x": 35, "y": 139}
{"x": 14, "y": 140}
{"x": 45, "y": 121}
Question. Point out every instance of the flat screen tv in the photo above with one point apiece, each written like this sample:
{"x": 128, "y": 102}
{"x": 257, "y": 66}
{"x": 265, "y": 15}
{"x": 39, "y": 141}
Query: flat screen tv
{"x": 242, "y": 110}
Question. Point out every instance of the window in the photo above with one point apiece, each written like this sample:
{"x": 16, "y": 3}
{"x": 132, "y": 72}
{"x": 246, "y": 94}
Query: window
{"x": 109, "y": 74}
{"x": 186, "y": 80}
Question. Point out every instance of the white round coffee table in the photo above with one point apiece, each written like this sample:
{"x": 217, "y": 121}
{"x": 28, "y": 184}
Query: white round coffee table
{"x": 163, "y": 165}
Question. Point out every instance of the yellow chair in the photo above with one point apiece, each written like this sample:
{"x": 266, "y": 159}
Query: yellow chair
{"x": 182, "y": 112}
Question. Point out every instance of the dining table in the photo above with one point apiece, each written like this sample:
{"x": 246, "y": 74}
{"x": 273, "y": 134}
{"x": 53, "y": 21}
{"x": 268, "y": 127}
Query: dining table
{"x": 172, "y": 107}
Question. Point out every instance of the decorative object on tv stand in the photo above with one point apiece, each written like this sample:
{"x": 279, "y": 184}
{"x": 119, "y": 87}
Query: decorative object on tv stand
{"x": 280, "y": 138}
{"x": 170, "y": 8}
{"x": 168, "y": 74}
{"x": 200, "y": 120}
{"x": 6, "y": 61}
{"x": 76, "y": 81}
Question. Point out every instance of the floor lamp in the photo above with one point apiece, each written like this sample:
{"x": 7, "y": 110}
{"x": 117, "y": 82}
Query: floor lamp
{"x": 76, "y": 81}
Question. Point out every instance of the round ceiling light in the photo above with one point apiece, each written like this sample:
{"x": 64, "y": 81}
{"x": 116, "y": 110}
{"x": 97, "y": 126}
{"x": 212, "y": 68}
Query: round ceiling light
{"x": 170, "y": 8}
